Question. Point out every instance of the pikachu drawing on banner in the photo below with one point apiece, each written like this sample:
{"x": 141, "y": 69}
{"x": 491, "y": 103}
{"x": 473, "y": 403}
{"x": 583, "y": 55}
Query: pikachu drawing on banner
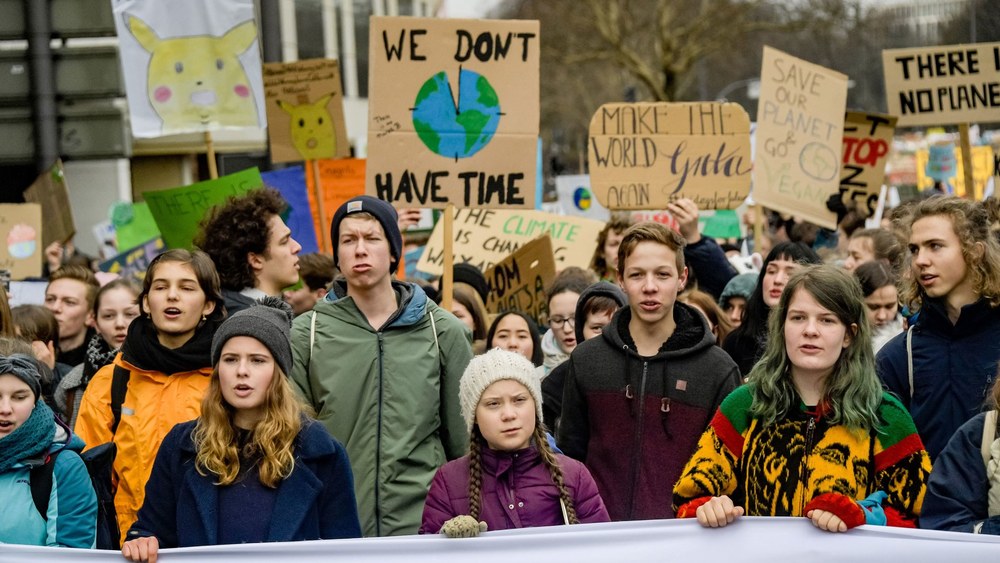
{"x": 195, "y": 76}
{"x": 311, "y": 128}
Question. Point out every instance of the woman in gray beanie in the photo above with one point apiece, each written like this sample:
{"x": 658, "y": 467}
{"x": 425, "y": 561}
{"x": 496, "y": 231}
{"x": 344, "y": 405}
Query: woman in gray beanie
{"x": 511, "y": 478}
{"x": 253, "y": 459}
{"x": 33, "y": 442}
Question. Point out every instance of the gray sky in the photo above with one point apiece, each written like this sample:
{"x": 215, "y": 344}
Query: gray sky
{"x": 468, "y": 8}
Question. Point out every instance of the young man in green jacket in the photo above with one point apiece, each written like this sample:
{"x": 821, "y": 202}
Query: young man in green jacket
{"x": 380, "y": 364}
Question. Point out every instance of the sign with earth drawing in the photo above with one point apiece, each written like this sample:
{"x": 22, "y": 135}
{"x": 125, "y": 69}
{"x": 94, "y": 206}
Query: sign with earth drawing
{"x": 453, "y": 112}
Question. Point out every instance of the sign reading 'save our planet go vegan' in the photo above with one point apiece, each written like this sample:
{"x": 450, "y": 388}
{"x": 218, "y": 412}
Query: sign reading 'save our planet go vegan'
{"x": 453, "y": 112}
{"x": 800, "y": 126}
{"x": 646, "y": 155}
{"x": 483, "y": 237}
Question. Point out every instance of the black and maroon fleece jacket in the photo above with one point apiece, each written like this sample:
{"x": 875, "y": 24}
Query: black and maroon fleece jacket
{"x": 635, "y": 421}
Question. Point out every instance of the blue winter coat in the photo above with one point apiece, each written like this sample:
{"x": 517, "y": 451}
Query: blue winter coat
{"x": 315, "y": 502}
{"x": 956, "y": 491}
{"x": 72, "y": 514}
{"x": 953, "y": 368}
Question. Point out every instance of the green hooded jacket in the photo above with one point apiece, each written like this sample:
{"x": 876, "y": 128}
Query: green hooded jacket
{"x": 389, "y": 395}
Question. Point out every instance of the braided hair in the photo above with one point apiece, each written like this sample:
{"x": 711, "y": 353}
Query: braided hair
{"x": 548, "y": 458}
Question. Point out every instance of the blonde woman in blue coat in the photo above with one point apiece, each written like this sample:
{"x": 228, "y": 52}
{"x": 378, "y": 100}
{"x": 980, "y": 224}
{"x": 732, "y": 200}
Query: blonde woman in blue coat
{"x": 252, "y": 468}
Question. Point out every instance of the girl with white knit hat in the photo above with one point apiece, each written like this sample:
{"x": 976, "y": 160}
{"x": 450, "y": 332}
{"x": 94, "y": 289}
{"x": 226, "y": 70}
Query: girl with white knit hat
{"x": 510, "y": 478}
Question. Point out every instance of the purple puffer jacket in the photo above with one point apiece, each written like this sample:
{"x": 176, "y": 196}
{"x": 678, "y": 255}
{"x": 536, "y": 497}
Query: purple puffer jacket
{"x": 518, "y": 492}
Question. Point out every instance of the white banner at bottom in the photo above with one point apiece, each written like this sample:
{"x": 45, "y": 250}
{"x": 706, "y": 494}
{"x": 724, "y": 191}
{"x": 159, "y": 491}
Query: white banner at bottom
{"x": 748, "y": 540}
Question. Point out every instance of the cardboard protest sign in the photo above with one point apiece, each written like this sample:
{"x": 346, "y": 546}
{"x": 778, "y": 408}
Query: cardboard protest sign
{"x": 946, "y": 84}
{"x": 179, "y": 210}
{"x": 867, "y": 144}
{"x": 49, "y": 191}
{"x": 577, "y": 198}
{"x": 291, "y": 183}
{"x": 135, "y": 227}
{"x": 942, "y": 162}
{"x": 21, "y": 231}
{"x": 190, "y": 65}
{"x": 800, "y": 125}
{"x": 518, "y": 282}
{"x": 340, "y": 180}
{"x": 453, "y": 112}
{"x": 722, "y": 223}
{"x": 932, "y": 163}
{"x": 646, "y": 155}
{"x": 661, "y": 217}
{"x": 133, "y": 262}
{"x": 483, "y": 237}
{"x": 305, "y": 110}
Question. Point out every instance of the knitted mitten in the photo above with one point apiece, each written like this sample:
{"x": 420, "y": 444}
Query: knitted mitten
{"x": 463, "y": 526}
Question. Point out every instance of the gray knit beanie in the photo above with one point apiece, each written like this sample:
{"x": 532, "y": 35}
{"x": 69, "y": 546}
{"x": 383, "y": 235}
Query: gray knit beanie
{"x": 23, "y": 368}
{"x": 491, "y": 367}
{"x": 269, "y": 320}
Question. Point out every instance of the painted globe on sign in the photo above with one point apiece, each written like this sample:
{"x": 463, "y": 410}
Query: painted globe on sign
{"x": 581, "y": 198}
{"x": 456, "y": 127}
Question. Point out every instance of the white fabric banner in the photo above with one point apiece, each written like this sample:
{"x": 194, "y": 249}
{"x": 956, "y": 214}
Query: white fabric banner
{"x": 190, "y": 65}
{"x": 748, "y": 540}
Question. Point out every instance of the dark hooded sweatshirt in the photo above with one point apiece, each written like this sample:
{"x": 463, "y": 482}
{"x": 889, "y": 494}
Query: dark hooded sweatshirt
{"x": 552, "y": 385}
{"x": 635, "y": 421}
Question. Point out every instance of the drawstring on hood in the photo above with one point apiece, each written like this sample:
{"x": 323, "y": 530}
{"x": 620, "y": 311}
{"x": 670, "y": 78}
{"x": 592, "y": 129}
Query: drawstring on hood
{"x": 691, "y": 335}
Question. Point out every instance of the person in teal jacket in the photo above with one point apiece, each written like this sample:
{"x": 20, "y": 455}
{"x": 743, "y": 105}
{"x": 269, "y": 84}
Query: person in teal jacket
{"x": 30, "y": 437}
{"x": 380, "y": 364}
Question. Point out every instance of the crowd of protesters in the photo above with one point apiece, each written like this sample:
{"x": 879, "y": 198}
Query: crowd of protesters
{"x": 252, "y": 394}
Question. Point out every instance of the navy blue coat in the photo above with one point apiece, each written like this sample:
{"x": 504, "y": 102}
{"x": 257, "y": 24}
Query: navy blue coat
{"x": 711, "y": 267}
{"x": 956, "y": 498}
{"x": 953, "y": 368}
{"x": 315, "y": 502}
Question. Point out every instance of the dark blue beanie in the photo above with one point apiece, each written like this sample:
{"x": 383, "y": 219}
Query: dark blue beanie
{"x": 383, "y": 212}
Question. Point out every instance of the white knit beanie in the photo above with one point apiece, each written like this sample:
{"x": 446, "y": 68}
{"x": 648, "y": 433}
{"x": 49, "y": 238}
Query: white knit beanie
{"x": 491, "y": 367}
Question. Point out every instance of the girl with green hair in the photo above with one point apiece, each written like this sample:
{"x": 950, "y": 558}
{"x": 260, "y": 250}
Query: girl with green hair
{"x": 812, "y": 433}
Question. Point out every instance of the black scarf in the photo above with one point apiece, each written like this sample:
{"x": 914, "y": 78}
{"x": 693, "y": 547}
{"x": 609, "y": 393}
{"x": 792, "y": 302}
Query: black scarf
{"x": 99, "y": 354}
{"x": 142, "y": 348}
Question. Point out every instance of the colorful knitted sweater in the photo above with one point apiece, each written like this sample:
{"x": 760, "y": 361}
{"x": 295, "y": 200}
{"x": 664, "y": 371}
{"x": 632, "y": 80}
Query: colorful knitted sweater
{"x": 803, "y": 463}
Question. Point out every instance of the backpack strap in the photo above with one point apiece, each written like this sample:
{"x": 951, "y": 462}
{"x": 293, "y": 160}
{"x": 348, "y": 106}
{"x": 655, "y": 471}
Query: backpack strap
{"x": 40, "y": 481}
{"x": 119, "y": 387}
{"x": 909, "y": 357}
{"x": 989, "y": 434}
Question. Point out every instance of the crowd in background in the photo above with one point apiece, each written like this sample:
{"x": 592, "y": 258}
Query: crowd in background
{"x": 246, "y": 393}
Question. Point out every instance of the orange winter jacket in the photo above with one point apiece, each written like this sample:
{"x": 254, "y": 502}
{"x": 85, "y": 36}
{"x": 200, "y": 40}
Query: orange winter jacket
{"x": 154, "y": 403}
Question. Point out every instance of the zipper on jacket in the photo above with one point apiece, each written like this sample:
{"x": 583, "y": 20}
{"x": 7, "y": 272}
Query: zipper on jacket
{"x": 803, "y": 473}
{"x": 637, "y": 448}
{"x": 378, "y": 442}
